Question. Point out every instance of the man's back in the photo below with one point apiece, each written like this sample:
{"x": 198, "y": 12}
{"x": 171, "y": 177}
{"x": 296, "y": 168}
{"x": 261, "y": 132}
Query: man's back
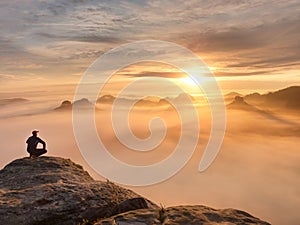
{"x": 32, "y": 142}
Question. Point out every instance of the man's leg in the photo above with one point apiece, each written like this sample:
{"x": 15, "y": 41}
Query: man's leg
{"x": 38, "y": 152}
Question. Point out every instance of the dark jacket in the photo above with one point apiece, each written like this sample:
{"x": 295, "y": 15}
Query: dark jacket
{"x": 32, "y": 143}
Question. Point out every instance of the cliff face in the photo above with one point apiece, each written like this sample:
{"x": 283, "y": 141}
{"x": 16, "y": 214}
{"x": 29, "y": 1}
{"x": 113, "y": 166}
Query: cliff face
{"x": 183, "y": 215}
{"x": 284, "y": 98}
{"x": 51, "y": 190}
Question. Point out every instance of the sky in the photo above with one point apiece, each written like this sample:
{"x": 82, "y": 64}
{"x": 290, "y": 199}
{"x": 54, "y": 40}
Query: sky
{"x": 248, "y": 45}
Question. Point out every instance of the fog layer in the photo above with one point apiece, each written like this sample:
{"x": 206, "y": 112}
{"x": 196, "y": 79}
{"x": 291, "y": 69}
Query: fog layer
{"x": 257, "y": 168}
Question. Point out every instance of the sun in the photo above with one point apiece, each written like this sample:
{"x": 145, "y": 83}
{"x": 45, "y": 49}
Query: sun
{"x": 187, "y": 81}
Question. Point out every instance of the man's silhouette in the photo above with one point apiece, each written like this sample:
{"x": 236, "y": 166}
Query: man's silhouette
{"x": 32, "y": 143}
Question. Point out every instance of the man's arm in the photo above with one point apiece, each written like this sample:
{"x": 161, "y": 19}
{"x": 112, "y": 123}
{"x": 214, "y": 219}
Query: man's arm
{"x": 42, "y": 142}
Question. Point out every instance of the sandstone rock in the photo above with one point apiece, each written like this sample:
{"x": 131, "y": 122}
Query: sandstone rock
{"x": 130, "y": 204}
{"x": 50, "y": 190}
{"x": 183, "y": 215}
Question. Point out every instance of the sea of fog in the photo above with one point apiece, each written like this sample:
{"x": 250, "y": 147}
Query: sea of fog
{"x": 256, "y": 170}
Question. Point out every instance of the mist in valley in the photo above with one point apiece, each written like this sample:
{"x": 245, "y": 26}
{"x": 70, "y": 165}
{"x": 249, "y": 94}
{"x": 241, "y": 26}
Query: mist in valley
{"x": 256, "y": 170}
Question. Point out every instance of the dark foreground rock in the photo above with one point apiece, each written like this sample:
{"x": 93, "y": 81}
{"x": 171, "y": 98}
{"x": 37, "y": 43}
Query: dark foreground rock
{"x": 51, "y": 190}
{"x": 183, "y": 215}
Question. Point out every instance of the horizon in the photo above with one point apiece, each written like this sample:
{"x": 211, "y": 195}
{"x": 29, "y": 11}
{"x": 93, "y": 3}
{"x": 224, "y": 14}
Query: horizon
{"x": 33, "y": 92}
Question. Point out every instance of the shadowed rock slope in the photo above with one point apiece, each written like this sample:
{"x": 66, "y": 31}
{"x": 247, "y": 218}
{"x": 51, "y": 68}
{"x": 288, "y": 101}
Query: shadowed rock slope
{"x": 51, "y": 190}
{"x": 183, "y": 215}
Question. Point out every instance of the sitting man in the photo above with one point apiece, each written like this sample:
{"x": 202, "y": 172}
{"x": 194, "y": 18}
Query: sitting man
{"x": 32, "y": 143}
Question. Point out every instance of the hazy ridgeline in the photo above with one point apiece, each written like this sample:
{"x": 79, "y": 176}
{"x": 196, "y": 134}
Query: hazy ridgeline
{"x": 257, "y": 169}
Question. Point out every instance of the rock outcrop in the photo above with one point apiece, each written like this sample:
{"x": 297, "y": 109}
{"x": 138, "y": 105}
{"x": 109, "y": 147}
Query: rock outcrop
{"x": 10, "y": 101}
{"x": 239, "y": 103}
{"x": 284, "y": 98}
{"x": 50, "y": 190}
{"x": 54, "y": 191}
{"x": 67, "y": 105}
{"x": 183, "y": 215}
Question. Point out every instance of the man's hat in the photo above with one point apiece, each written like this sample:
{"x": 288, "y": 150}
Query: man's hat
{"x": 35, "y": 132}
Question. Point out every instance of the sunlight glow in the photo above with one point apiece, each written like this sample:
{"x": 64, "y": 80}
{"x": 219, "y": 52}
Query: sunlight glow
{"x": 187, "y": 81}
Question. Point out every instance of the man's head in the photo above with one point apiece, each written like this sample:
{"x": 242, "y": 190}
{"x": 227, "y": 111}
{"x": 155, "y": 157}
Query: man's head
{"x": 35, "y": 132}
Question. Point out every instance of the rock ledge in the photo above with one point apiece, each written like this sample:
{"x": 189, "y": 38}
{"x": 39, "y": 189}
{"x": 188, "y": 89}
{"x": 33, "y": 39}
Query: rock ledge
{"x": 52, "y": 190}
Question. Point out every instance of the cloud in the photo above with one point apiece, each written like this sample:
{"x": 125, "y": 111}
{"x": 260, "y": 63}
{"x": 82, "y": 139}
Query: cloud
{"x": 246, "y": 36}
{"x": 6, "y": 47}
{"x": 249, "y": 73}
{"x": 267, "y": 48}
{"x": 90, "y": 38}
{"x": 154, "y": 74}
{"x": 5, "y": 77}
